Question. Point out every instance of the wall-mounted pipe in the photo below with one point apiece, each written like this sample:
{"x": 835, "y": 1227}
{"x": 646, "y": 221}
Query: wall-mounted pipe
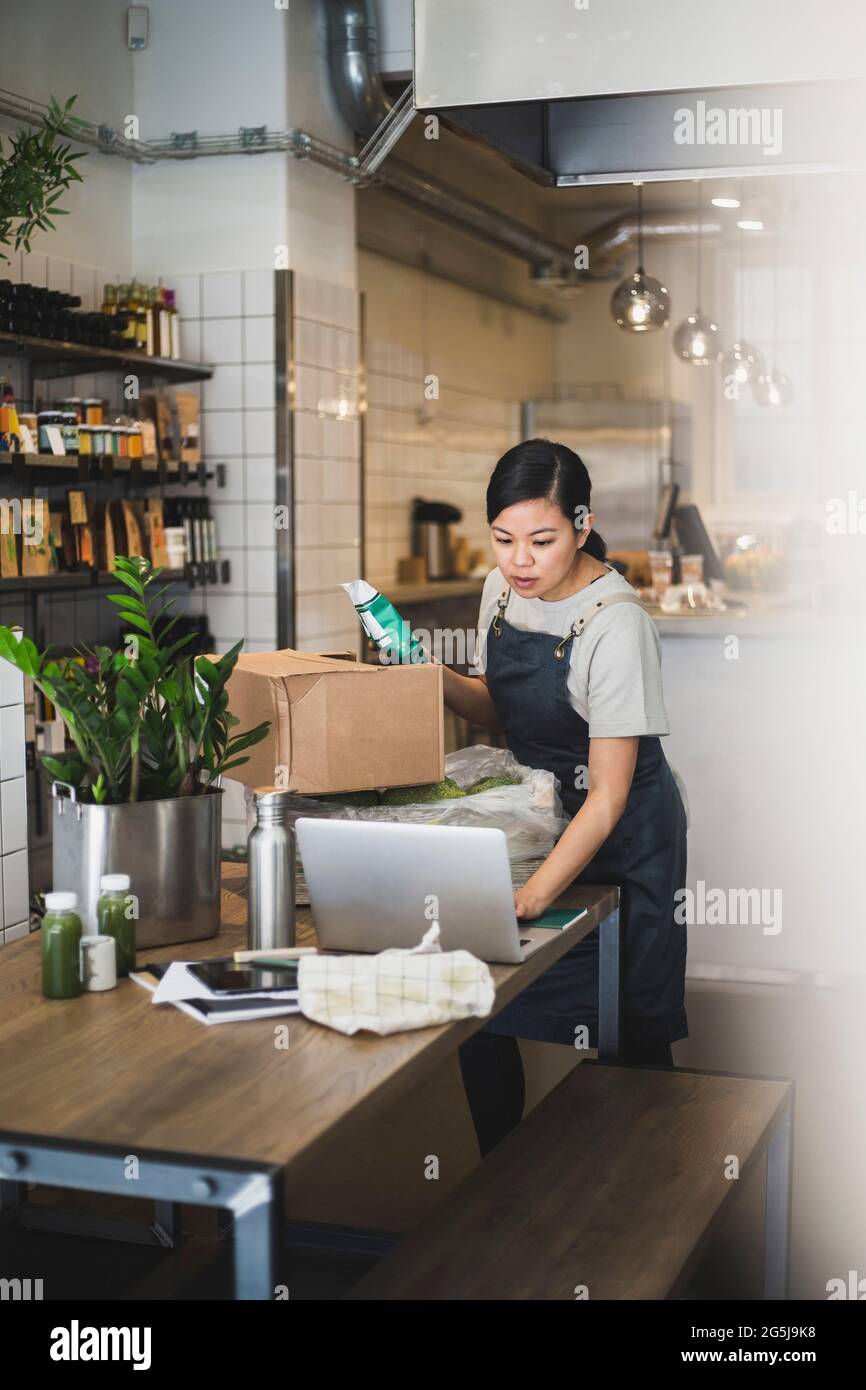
{"x": 551, "y": 262}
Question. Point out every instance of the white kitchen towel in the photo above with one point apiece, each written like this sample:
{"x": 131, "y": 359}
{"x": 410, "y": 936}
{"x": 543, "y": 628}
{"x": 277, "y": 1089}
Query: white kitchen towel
{"x": 395, "y": 990}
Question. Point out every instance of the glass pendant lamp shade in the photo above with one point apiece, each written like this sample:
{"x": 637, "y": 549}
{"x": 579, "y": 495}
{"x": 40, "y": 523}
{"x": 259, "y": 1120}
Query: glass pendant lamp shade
{"x": 773, "y": 389}
{"x": 640, "y": 302}
{"x": 742, "y": 364}
{"x": 698, "y": 340}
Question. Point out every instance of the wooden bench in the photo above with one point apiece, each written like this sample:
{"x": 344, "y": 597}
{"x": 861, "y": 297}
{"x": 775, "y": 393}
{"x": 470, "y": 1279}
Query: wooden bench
{"x": 614, "y": 1184}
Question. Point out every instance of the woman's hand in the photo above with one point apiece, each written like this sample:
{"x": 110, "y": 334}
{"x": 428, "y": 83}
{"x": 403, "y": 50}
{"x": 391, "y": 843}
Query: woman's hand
{"x": 529, "y": 901}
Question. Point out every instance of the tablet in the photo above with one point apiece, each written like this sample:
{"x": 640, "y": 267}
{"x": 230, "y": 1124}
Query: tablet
{"x": 232, "y": 977}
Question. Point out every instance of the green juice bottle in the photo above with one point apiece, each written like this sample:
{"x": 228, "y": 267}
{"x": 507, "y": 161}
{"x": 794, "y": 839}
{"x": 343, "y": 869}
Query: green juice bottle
{"x": 112, "y": 919}
{"x": 61, "y": 938}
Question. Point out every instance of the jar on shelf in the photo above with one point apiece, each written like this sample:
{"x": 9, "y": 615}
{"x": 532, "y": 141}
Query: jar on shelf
{"x": 47, "y": 418}
{"x": 72, "y": 403}
{"x": 70, "y": 431}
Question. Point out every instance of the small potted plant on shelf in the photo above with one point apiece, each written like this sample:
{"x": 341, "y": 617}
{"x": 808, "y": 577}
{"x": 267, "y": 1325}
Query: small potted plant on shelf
{"x": 138, "y": 790}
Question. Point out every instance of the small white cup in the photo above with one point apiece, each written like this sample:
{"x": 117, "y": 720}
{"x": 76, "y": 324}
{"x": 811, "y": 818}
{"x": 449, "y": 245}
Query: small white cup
{"x": 98, "y": 961}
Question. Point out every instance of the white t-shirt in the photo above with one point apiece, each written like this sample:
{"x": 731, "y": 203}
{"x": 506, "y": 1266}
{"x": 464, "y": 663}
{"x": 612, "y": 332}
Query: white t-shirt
{"x": 614, "y": 677}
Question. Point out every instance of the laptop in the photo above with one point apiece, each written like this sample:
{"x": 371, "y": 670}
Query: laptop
{"x": 378, "y": 884}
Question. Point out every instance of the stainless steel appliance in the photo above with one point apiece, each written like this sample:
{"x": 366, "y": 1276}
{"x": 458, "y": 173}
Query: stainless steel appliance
{"x": 632, "y": 449}
{"x": 431, "y": 537}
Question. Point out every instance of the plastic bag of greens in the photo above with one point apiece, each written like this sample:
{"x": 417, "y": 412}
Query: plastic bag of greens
{"x": 525, "y": 805}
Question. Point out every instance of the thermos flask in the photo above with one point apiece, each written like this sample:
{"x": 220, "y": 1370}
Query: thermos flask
{"x": 271, "y": 870}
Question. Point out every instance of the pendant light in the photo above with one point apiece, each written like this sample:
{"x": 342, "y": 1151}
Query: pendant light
{"x": 640, "y": 302}
{"x": 697, "y": 339}
{"x": 742, "y": 363}
{"x": 773, "y": 389}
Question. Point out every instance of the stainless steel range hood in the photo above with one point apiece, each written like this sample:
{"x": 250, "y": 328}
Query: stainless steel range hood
{"x": 586, "y": 92}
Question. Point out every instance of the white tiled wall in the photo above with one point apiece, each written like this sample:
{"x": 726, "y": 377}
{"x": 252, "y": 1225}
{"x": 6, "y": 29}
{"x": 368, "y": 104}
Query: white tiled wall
{"x": 327, "y": 461}
{"x": 441, "y": 449}
{"x": 227, "y": 319}
{"x": 14, "y": 877}
{"x": 327, "y": 483}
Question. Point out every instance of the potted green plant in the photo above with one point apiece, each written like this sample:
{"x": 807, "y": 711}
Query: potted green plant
{"x": 137, "y": 791}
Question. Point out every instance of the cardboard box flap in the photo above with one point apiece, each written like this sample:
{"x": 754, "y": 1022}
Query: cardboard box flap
{"x": 293, "y": 663}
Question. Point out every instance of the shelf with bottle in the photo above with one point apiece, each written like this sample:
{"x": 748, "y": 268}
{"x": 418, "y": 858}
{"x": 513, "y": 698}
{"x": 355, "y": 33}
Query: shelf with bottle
{"x": 136, "y": 324}
{"x": 78, "y": 436}
{"x": 75, "y": 357}
{"x": 72, "y": 541}
{"x": 103, "y": 467}
{"x": 195, "y": 576}
{"x": 74, "y": 579}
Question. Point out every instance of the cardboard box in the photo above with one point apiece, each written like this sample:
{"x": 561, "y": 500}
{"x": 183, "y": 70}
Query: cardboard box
{"x": 338, "y": 725}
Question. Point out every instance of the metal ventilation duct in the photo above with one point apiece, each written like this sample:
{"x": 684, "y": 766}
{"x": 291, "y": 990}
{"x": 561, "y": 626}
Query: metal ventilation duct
{"x": 353, "y": 62}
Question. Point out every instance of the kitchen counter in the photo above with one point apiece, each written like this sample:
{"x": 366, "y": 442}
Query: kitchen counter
{"x": 763, "y": 614}
{"x": 752, "y": 613}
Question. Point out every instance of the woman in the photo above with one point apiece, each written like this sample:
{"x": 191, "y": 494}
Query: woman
{"x": 571, "y": 674}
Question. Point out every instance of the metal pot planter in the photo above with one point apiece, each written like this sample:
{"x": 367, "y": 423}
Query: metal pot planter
{"x": 170, "y": 849}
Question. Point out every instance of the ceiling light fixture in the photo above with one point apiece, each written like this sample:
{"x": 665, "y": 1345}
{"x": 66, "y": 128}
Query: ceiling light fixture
{"x": 773, "y": 389}
{"x": 742, "y": 364}
{"x": 640, "y": 302}
{"x": 697, "y": 339}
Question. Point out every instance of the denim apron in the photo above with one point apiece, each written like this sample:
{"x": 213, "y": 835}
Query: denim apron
{"x": 644, "y": 856}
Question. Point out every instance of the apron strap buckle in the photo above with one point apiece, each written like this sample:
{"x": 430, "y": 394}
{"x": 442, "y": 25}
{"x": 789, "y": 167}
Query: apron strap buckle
{"x": 576, "y": 630}
{"x": 502, "y": 605}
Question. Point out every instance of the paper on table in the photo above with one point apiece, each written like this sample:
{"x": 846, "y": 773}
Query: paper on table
{"x": 179, "y": 983}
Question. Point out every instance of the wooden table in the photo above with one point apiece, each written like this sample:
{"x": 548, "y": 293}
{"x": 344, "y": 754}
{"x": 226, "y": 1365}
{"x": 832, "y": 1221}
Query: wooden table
{"x": 107, "y": 1093}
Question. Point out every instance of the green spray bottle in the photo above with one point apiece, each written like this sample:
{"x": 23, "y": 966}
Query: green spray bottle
{"x": 384, "y": 625}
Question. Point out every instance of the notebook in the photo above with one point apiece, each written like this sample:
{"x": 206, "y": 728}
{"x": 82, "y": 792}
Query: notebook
{"x": 211, "y": 1009}
{"x": 559, "y": 918}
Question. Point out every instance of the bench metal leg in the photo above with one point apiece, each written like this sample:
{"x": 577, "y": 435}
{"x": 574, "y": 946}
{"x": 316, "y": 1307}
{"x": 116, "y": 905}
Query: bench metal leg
{"x": 778, "y": 1209}
{"x": 256, "y": 1238}
{"x": 17, "y": 1209}
{"x": 251, "y": 1194}
{"x": 609, "y": 1002}
{"x": 13, "y": 1196}
{"x": 167, "y": 1227}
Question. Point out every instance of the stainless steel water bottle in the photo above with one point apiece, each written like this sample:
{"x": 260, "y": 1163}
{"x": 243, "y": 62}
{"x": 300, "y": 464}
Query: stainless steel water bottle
{"x": 271, "y": 868}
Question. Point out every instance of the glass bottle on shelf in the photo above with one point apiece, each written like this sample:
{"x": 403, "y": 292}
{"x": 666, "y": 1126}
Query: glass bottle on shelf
{"x": 140, "y": 316}
{"x": 149, "y": 325}
{"x": 155, "y": 312}
{"x": 164, "y": 323}
{"x": 125, "y": 307}
{"x": 109, "y": 300}
{"x": 174, "y": 326}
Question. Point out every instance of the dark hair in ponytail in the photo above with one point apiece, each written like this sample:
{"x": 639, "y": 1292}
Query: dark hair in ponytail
{"x": 538, "y": 468}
